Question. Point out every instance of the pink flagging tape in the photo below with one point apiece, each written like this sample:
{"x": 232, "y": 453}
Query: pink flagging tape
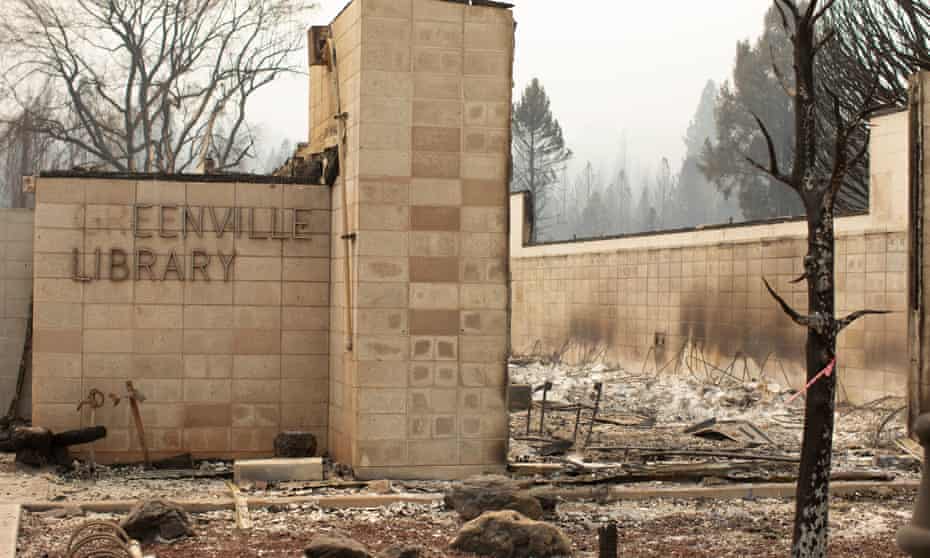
{"x": 823, "y": 374}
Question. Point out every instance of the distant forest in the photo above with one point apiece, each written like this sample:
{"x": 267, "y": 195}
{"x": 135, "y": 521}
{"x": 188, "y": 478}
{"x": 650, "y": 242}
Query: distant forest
{"x": 715, "y": 183}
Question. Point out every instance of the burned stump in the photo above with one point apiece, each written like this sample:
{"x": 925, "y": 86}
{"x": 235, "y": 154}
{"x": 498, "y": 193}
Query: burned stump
{"x": 478, "y": 495}
{"x": 151, "y": 520}
{"x": 37, "y": 447}
{"x": 295, "y": 444}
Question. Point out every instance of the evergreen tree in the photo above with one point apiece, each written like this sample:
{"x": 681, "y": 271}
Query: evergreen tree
{"x": 646, "y": 215}
{"x": 539, "y": 153}
{"x": 755, "y": 90}
{"x": 701, "y": 203}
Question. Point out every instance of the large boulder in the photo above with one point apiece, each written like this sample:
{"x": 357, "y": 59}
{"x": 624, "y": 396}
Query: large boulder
{"x": 477, "y": 495}
{"x": 507, "y": 534}
{"x": 336, "y": 547}
{"x": 295, "y": 444}
{"x": 152, "y": 520}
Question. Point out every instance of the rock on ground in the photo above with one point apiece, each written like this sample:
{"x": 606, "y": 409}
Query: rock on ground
{"x": 477, "y": 495}
{"x": 404, "y": 551}
{"x": 157, "y": 519}
{"x": 295, "y": 444}
{"x": 507, "y": 534}
{"x": 336, "y": 547}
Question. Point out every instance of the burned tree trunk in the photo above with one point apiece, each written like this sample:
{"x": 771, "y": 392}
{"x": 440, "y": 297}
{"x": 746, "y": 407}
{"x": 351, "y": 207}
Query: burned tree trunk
{"x": 811, "y": 524}
{"x": 818, "y": 188}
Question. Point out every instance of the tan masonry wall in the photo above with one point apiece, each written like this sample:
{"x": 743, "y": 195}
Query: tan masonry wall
{"x": 15, "y": 291}
{"x": 641, "y": 301}
{"x": 224, "y": 365}
{"x": 426, "y": 85}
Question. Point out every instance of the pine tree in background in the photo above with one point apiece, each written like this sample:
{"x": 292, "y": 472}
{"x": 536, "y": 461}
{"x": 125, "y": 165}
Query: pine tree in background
{"x": 539, "y": 155}
{"x": 755, "y": 89}
{"x": 701, "y": 202}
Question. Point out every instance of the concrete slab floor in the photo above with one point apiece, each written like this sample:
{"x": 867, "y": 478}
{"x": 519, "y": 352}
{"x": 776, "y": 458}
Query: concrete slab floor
{"x": 9, "y": 529}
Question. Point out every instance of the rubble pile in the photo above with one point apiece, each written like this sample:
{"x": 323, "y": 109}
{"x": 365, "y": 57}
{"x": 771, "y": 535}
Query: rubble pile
{"x": 661, "y": 417}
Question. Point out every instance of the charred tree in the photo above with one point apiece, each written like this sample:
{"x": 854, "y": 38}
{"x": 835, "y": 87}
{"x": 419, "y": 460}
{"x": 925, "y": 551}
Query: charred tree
{"x": 835, "y": 133}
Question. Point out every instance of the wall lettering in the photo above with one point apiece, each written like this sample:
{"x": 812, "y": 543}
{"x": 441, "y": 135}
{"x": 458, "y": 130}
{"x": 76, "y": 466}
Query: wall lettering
{"x": 180, "y": 222}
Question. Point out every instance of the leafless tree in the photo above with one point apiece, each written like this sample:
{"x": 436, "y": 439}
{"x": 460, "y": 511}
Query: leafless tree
{"x": 828, "y": 145}
{"x": 23, "y": 152}
{"x": 148, "y": 85}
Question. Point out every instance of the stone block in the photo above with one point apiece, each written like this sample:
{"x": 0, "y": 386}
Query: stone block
{"x": 431, "y": 138}
{"x": 383, "y": 217}
{"x": 375, "y": 269}
{"x": 259, "y": 195}
{"x": 491, "y": 64}
{"x": 386, "y": 55}
{"x": 59, "y": 216}
{"x": 157, "y": 317}
{"x": 434, "y": 86}
{"x": 434, "y": 270}
{"x": 155, "y": 341}
{"x": 60, "y": 190}
{"x": 382, "y": 243}
{"x": 382, "y": 427}
{"x": 434, "y": 244}
{"x": 435, "y": 218}
{"x": 257, "y": 341}
{"x": 211, "y": 194}
{"x": 382, "y": 295}
{"x": 305, "y": 318}
{"x": 439, "y": 113}
{"x": 437, "y": 61}
{"x": 304, "y": 342}
{"x": 306, "y": 294}
{"x": 387, "y": 8}
{"x": 435, "y": 192}
{"x": 306, "y": 367}
{"x": 374, "y": 374}
{"x": 212, "y": 293}
{"x": 385, "y": 137}
{"x": 58, "y": 315}
{"x": 256, "y": 293}
{"x": 434, "y": 296}
{"x": 385, "y": 348}
{"x": 430, "y": 10}
{"x": 442, "y": 34}
{"x": 433, "y": 452}
{"x": 257, "y": 269}
{"x": 434, "y": 322}
{"x": 207, "y": 416}
{"x": 109, "y": 217}
{"x": 384, "y": 110}
{"x": 158, "y": 366}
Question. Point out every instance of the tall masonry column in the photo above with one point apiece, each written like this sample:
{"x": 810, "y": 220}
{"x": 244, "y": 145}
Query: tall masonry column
{"x": 418, "y": 362}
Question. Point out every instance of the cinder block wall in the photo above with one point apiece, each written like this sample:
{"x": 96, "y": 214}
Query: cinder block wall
{"x": 649, "y": 302}
{"x": 427, "y": 88}
{"x": 15, "y": 292}
{"x": 224, "y": 365}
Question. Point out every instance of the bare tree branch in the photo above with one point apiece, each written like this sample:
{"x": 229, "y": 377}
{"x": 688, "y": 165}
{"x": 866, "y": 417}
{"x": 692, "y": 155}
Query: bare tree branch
{"x": 850, "y": 319}
{"x": 795, "y": 316}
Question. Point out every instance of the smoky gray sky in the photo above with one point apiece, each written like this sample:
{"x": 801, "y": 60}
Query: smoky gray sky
{"x": 613, "y": 69}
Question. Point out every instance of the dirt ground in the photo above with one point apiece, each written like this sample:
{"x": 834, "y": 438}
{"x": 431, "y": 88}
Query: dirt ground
{"x": 863, "y": 526}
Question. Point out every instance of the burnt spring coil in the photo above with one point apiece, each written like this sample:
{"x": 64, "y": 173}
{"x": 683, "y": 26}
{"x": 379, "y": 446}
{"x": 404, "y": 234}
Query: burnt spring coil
{"x": 99, "y": 539}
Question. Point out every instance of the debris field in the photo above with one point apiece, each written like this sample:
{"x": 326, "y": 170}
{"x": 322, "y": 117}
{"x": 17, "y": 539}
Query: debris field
{"x": 588, "y": 427}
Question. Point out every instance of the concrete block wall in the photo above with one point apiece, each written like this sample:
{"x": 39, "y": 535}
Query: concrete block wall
{"x": 15, "y": 292}
{"x": 427, "y": 88}
{"x": 224, "y": 365}
{"x": 644, "y": 302}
